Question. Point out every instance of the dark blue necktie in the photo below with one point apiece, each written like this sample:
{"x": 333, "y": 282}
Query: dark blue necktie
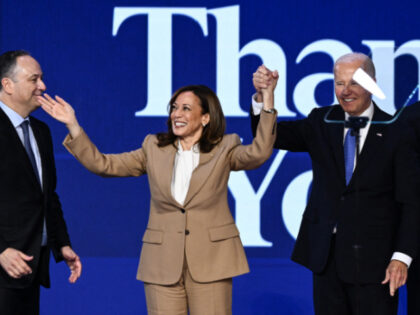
{"x": 28, "y": 148}
{"x": 349, "y": 153}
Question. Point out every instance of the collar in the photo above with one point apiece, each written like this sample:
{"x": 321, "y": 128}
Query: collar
{"x": 195, "y": 148}
{"x": 14, "y": 117}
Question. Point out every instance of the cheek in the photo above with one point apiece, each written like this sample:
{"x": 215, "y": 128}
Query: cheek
{"x": 337, "y": 91}
{"x": 363, "y": 93}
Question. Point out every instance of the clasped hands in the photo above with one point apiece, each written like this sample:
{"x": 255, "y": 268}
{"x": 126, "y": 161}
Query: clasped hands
{"x": 265, "y": 81}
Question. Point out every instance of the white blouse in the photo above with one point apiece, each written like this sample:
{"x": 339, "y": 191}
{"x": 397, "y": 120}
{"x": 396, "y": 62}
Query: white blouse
{"x": 184, "y": 164}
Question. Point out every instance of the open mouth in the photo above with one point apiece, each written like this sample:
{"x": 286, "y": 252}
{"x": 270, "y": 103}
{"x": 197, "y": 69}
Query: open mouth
{"x": 348, "y": 100}
{"x": 179, "y": 124}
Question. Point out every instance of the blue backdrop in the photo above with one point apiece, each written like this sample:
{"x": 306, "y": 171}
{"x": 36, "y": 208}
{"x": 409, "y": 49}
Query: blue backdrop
{"x": 117, "y": 62}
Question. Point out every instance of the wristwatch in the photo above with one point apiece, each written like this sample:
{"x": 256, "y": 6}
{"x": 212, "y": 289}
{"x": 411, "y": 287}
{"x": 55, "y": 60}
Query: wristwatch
{"x": 270, "y": 111}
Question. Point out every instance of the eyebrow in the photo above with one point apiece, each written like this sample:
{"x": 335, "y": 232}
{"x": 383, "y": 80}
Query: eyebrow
{"x": 175, "y": 103}
{"x": 35, "y": 75}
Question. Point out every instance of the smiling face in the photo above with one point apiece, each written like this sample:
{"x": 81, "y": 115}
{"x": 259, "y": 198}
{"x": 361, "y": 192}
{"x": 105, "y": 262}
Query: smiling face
{"x": 353, "y": 99}
{"x": 24, "y": 85}
{"x": 187, "y": 119}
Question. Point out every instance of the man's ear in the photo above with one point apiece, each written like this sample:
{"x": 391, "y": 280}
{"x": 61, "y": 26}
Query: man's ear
{"x": 8, "y": 85}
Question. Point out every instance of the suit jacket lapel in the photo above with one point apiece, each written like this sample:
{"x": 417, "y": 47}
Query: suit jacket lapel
{"x": 199, "y": 175}
{"x": 373, "y": 142}
{"x": 8, "y": 131}
{"x": 165, "y": 178}
{"x": 335, "y": 132}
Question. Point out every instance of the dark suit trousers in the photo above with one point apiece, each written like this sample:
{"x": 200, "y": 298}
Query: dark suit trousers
{"x": 413, "y": 288}
{"x": 333, "y": 296}
{"x": 20, "y": 301}
{"x": 25, "y": 301}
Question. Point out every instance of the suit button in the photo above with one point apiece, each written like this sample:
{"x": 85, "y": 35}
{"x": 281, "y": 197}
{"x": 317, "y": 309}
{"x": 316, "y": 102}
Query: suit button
{"x": 342, "y": 198}
{"x": 187, "y": 232}
{"x": 182, "y": 210}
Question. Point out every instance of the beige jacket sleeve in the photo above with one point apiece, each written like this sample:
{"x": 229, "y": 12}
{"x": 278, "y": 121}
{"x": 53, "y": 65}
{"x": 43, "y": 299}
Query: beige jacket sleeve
{"x": 254, "y": 155}
{"x": 108, "y": 165}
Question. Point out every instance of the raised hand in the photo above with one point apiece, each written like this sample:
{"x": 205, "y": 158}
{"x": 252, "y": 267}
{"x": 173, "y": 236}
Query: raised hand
{"x": 264, "y": 78}
{"x": 265, "y": 82}
{"x": 59, "y": 109}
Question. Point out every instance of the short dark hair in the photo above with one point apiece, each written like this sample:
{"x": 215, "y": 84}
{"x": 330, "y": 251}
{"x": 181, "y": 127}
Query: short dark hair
{"x": 8, "y": 63}
{"x": 213, "y": 132}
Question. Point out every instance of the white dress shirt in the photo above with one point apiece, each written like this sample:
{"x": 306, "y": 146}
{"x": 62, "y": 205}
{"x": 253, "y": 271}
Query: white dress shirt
{"x": 184, "y": 164}
{"x": 256, "y": 109}
{"x": 363, "y": 131}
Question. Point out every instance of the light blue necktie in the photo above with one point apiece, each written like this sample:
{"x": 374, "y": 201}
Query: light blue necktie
{"x": 349, "y": 153}
{"x": 28, "y": 148}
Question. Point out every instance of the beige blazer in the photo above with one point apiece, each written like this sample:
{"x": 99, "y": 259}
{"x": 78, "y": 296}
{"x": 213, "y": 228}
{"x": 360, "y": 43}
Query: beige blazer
{"x": 203, "y": 229}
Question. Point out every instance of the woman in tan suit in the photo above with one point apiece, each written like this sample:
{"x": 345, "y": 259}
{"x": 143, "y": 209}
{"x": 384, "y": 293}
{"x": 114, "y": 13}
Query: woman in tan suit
{"x": 191, "y": 247}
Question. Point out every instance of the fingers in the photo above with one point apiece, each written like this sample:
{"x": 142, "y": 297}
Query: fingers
{"x": 264, "y": 70}
{"x": 46, "y": 103}
{"x": 48, "y": 97}
{"x": 75, "y": 266}
{"x": 25, "y": 257}
{"x": 260, "y": 81}
{"x": 20, "y": 264}
{"x": 396, "y": 275}
{"x": 264, "y": 78}
{"x": 61, "y": 101}
{"x": 74, "y": 263}
{"x": 76, "y": 270}
{"x": 397, "y": 280}
{"x": 386, "y": 280}
{"x": 49, "y": 103}
{"x": 14, "y": 263}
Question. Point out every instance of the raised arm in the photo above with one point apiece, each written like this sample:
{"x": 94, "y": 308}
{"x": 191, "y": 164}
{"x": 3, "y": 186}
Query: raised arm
{"x": 79, "y": 145}
{"x": 255, "y": 154}
{"x": 62, "y": 111}
{"x": 291, "y": 135}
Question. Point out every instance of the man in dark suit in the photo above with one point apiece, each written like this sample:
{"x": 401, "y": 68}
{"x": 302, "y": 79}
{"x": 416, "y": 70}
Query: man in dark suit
{"x": 410, "y": 117}
{"x": 31, "y": 220}
{"x": 358, "y": 233}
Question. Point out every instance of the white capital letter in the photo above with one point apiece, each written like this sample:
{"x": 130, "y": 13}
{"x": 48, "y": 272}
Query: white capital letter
{"x": 229, "y": 54}
{"x": 294, "y": 202}
{"x": 159, "y": 50}
{"x": 248, "y": 208}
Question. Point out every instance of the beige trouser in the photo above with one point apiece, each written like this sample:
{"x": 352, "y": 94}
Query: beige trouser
{"x": 213, "y": 298}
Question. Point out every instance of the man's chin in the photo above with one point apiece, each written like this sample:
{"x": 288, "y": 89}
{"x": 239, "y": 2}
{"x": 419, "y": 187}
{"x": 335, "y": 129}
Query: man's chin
{"x": 35, "y": 105}
{"x": 348, "y": 109}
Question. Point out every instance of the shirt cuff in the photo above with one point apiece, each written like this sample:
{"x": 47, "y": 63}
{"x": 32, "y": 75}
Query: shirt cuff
{"x": 403, "y": 258}
{"x": 256, "y": 107}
